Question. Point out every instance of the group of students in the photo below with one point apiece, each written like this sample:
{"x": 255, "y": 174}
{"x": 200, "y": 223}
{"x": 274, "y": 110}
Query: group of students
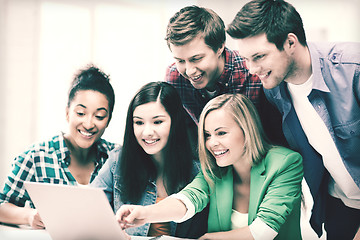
{"x": 239, "y": 183}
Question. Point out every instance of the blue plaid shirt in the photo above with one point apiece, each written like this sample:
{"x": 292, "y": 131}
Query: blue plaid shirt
{"x": 46, "y": 162}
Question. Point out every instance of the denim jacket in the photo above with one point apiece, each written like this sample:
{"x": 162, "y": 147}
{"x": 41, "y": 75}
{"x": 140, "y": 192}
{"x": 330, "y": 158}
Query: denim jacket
{"x": 336, "y": 98}
{"x": 109, "y": 179}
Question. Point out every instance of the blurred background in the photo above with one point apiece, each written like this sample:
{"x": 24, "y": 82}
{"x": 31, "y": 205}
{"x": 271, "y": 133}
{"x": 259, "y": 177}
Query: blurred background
{"x": 44, "y": 42}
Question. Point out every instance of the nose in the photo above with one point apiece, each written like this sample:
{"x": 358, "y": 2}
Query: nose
{"x": 253, "y": 67}
{"x": 148, "y": 130}
{"x": 212, "y": 142}
{"x": 89, "y": 123}
{"x": 190, "y": 69}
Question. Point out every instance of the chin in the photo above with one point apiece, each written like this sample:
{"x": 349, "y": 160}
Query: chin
{"x": 221, "y": 164}
{"x": 86, "y": 144}
{"x": 197, "y": 86}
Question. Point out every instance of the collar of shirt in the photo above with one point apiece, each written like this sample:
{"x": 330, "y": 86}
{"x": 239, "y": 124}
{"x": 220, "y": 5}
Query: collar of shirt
{"x": 319, "y": 82}
{"x": 224, "y": 78}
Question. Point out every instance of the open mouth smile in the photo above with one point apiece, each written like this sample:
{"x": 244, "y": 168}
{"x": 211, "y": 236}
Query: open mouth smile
{"x": 150, "y": 142}
{"x": 220, "y": 153}
{"x": 263, "y": 76}
{"x": 197, "y": 78}
{"x": 86, "y": 134}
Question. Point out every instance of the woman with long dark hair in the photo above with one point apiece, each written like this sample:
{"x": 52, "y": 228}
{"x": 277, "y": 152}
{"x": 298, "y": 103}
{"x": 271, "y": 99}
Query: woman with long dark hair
{"x": 155, "y": 160}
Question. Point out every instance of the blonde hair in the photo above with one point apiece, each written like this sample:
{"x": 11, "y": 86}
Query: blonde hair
{"x": 245, "y": 115}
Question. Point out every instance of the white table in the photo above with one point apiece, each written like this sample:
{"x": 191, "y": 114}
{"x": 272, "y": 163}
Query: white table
{"x": 14, "y": 232}
{"x": 22, "y": 232}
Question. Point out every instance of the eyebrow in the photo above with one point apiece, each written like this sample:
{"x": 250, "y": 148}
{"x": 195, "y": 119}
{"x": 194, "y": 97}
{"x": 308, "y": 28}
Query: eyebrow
{"x": 216, "y": 129}
{"x": 99, "y": 109}
{"x": 197, "y": 55}
{"x": 158, "y": 116}
{"x": 102, "y": 108}
{"x": 80, "y": 105}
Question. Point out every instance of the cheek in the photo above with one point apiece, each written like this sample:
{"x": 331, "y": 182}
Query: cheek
{"x": 137, "y": 131}
{"x": 180, "y": 67}
{"x": 166, "y": 131}
{"x": 103, "y": 125}
{"x": 73, "y": 119}
{"x": 207, "y": 145}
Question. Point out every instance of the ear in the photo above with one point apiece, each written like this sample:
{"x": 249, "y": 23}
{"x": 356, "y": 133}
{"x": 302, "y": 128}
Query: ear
{"x": 220, "y": 50}
{"x": 291, "y": 41}
{"x": 67, "y": 114}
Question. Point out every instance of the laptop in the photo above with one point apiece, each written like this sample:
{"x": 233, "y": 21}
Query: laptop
{"x": 74, "y": 212}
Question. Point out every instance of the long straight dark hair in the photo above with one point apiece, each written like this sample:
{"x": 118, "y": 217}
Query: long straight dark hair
{"x": 136, "y": 166}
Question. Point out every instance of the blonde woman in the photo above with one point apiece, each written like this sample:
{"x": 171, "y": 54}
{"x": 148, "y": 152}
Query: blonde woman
{"x": 253, "y": 189}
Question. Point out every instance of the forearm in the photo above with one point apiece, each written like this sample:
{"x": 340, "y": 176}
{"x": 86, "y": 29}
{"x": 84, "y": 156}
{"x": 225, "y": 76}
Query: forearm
{"x": 237, "y": 234}
{"x": 169, "y": 209}
{"x": 10, "y": 213}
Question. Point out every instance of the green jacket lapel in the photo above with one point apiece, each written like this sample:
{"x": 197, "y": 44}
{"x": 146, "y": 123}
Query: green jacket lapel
{"x": 256, "y": 189}
{"x": 224, "y": 199}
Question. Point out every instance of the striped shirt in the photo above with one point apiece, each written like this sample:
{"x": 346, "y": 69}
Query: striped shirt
{"x": 46, "y": 162}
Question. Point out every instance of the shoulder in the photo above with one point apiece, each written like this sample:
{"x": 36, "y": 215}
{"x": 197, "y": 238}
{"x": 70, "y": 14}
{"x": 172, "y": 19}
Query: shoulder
{"x": 104, "y": 148}
{"x": 108, "y": 170}
{"x": 172, "y": 74}
{"x": 336, "y": 52}
{"x": 232, "y": 57}
{"x": 277, "y": 95}
{"x": 196, "y": 167}
{"x": 281, "y": 157}
{"x": 108, "y": 146}
{"x": 114, "y": 159}
{"x": 54, "y": 144}
{"x": 42, "y": 151}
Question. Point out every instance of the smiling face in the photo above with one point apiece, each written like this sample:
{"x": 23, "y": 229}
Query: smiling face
{"x": 198, "y": 63}
{"x": 224, "y": 139}
{"x": 88, "y": 117}
{"x": 266, "y": 60}
{"x": 152, "y": 127}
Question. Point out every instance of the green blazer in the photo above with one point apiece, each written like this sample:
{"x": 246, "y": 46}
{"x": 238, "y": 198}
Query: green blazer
{"x": 275, "y": 194}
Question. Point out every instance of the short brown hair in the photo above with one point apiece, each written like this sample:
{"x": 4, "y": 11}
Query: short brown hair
{"x": 192, "y": 21}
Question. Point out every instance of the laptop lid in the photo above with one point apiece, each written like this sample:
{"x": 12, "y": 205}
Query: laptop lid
{"x": 74, "y": 212}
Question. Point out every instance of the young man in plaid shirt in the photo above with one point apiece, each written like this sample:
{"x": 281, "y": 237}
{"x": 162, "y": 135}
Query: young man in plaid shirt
{"x": 204, "y": 68}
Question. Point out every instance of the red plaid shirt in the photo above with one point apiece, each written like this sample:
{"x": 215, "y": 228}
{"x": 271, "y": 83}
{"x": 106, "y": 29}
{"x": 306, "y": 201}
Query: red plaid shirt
{"x": 234, "y": 79}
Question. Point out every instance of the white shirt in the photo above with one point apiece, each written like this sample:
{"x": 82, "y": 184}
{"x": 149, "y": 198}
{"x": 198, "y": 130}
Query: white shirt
{"x": 341, "y": 184}
{"x": 258, "y": 229}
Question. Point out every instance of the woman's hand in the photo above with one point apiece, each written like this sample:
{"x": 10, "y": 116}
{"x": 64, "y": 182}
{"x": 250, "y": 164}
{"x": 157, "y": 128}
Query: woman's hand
{"x": 34, "y": 220}
{"x": 131, "y": 216}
